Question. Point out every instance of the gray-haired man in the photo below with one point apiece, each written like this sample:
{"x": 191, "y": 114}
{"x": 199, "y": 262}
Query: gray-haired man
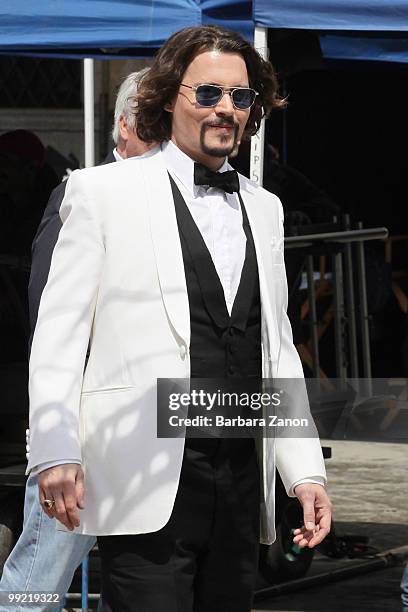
{"x": 45, "y": 559}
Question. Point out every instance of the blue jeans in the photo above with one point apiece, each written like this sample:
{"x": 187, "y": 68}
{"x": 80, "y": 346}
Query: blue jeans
{"x": 404, "y": 589}
{"x": 43, "y": 558}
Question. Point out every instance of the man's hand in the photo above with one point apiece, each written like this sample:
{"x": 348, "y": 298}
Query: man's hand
{"x": 317, "y": 512}
{"x": 65, "y": 485}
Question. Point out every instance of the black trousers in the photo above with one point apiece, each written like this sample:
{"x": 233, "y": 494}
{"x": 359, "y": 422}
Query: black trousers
{"x": 205, "y": 559}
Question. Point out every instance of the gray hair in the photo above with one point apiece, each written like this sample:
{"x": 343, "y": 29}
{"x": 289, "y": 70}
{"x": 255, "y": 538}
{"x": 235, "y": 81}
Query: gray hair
{"x": 125, "y": 102}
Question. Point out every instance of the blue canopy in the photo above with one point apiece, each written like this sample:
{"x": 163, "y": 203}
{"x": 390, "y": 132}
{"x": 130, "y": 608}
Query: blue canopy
{"x": 351, "y": 24}
{"x": 363, "y": 15}
{"x": 365, "y": 49}
{"x": 87, "y": 27}
{"x": 123, "y": 28}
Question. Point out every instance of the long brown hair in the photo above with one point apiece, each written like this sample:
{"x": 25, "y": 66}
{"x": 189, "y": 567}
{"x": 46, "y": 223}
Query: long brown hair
{"x": 161, "y": 83}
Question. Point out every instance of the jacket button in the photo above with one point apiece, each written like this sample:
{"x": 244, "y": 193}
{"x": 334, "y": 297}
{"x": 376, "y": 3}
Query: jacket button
{"x": 183, "y": 351}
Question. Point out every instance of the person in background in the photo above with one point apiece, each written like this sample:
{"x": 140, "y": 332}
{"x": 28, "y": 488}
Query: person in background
{"x": 45, "y": 559}
{"x": 297, "y": 192}
{"x": 26, "y": 181}
{"x": 127, "y": 144}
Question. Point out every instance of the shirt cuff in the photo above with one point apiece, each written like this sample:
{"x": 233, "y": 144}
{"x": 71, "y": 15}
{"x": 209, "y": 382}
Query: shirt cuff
{"x": 315, "y": 480}
{"x": 37, "y": 469}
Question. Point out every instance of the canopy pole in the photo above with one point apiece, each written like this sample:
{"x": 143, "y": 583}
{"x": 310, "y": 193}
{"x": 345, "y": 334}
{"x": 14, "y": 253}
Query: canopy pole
{"x": 258, "y": 141}
{"x": 89, "y": 110}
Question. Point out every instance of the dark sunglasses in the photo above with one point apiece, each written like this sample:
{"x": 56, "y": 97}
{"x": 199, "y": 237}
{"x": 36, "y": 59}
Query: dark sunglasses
{"x": 209, "y": 95}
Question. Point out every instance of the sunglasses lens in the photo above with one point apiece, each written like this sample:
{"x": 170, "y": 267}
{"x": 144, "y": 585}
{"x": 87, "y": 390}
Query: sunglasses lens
{"x": 243, "y": 98}
{"x": 208, "y": 95}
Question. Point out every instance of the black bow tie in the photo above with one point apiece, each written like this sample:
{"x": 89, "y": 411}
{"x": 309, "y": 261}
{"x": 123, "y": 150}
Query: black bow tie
{"x": 227, "y": 181}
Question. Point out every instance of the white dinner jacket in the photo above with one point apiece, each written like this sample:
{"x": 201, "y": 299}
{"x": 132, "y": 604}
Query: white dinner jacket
{"x": 117, "y": 283}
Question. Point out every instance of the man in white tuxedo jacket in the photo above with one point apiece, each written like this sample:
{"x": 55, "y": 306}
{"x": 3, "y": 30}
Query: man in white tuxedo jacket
{"x": 168, "y": 266}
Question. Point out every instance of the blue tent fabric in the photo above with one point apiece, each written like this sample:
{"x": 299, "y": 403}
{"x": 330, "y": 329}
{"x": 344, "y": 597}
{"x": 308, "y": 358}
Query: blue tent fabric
{"x": 365, "y": 49}
{"x": 92, "y": 23}
{"x": 363, "y": 15}
{"x": 386, "y": 19}
{"x": 233, "y": 14}
{"x": 136, "y": 28}
{"x": 56, "y": 25}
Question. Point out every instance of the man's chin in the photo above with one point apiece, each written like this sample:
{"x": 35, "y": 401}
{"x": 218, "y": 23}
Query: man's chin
{"x": 218, "y": 150}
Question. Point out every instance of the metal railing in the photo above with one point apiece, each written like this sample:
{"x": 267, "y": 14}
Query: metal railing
{"x": 345, "y": 312}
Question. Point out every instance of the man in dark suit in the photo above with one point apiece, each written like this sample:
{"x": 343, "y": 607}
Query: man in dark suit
{"x": 45, "y": 559}
{"x": 127, "y": 144}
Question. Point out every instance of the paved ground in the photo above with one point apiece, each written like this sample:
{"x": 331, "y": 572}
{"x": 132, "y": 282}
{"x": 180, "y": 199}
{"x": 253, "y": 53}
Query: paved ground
{"x": 368, "y": 482}
{"x": 369, "y": 489}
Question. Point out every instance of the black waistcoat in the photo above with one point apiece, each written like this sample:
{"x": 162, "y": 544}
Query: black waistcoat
{"x": 222, "y": 346}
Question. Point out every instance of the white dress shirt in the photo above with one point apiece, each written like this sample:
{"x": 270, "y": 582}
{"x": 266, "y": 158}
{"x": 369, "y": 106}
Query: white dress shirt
{"x": 116, "y": 155}
{"x": 218, "y": 216}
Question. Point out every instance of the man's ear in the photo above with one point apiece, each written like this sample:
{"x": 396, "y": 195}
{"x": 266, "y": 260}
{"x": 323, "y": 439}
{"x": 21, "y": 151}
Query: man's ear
{"x": 169, "y": 106}
{"x": 123, "y": 129}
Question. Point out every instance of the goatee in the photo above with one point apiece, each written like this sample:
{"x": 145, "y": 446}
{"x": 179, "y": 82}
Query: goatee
{"x": 214, "y": 150}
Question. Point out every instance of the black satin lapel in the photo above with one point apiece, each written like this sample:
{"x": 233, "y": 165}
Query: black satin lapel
{"x": 245, "y": 293}
{"x": 208, "y": 279}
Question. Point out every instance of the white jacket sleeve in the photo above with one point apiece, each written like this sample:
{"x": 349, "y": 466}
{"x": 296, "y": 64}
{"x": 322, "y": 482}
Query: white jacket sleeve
{"x": 297, "y": 459}
{"x": 63, "y": 328}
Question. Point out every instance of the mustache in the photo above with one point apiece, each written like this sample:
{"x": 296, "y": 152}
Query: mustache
{"x": 217, "y": 123}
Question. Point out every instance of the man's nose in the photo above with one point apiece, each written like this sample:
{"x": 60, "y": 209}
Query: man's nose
{"x": 225, "y": 105}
